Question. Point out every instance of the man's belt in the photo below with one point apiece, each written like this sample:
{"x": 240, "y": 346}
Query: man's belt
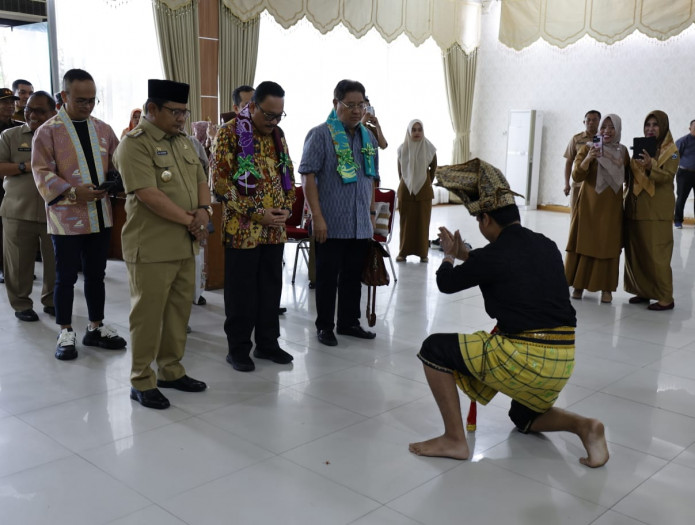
{"x": 560, "y": 336}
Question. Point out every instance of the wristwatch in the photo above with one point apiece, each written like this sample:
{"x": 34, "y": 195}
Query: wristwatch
{"x": 22, "y": 167}
{"x": 72, "y": 194}
{"x": 207, "y": 209}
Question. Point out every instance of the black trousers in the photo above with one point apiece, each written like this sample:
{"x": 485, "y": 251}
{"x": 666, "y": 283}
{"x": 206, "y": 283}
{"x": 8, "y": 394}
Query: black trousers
{"x": 339, "y": 264}
{"x": 73, "y": 253}
{"x": 252, "y": 290}
{"x": 685, "y": 183}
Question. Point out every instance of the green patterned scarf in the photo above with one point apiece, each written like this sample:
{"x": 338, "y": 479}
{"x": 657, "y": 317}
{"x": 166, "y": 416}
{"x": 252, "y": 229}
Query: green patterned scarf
{"x": 347, "y": 167}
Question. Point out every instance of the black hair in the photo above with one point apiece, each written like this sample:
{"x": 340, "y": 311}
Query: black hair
{"x": 267, "y": 89}
{"x": 16, "y": 83}
{"x": 159, "y": 102}
{"x": 346, "y": 86}
{"x": 595, "y": 111}
{"x": 51, "y": 101}
{"x": 236, "y": 94}
{"x": 506, "y": 215}
{"x": 75, "y": 74}
{"x": 691, "y": 122}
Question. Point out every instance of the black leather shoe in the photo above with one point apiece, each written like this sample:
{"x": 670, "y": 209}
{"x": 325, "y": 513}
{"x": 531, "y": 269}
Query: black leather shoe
{"x": 201, "y": 301}
{"x": 27, "y": 315}
{"x": 356, "y": 331}
{"x": 151, "y": 398}
{"x": 183, "y": 383}
{"x": 327, "y": 337}
{"x": 50, "y": 310}
{"x": 277, "y": 355}
{"x": 282, "y": 310}
{"x": 241, "y": 363}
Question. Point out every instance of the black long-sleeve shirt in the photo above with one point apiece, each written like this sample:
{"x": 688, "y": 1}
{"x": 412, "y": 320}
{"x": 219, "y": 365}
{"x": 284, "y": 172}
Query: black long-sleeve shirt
{"x": 522, "y": 279}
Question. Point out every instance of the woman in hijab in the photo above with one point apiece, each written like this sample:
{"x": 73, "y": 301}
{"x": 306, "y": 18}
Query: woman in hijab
{"x": 417, "y": 162}
{"x": 649, "y": 203}
{"x": 595, "y": 238}
{"x": 134, "y": 121}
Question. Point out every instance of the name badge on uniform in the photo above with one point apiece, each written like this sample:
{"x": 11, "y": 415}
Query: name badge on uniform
{"x": 23, "y": 148}
{"x": 162, "y": 152}
{"x": 166, "y": 175}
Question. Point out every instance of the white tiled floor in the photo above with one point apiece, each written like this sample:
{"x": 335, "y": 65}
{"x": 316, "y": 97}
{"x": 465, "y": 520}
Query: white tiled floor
{"x": 324, "y": 441}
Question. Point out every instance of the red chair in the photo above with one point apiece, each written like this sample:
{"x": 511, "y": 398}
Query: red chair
{"x": 295, "y": 231}
{"x": 386, "y": 195}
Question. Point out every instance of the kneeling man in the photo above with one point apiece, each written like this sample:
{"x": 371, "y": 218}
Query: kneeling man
{"x": 529, "y": 356}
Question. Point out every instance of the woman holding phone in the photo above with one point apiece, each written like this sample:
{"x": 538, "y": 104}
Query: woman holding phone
{"x": 595, "y": 238}
{"x": 649, "y": 203}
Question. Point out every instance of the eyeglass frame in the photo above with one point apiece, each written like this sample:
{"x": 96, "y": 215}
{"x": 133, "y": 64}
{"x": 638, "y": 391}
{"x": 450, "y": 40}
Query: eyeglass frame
{"x": 351, "y": 107}
{"x": 84, "y": 102}
{"x": 269, "y": 117}
{"x": 176, "y": 112}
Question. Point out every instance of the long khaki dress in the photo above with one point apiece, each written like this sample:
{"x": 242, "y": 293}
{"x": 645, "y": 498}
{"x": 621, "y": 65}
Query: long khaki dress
{"x": 649, "y": 235}
{"x": 415, "y": 212}
{"x": 595, "y": 238}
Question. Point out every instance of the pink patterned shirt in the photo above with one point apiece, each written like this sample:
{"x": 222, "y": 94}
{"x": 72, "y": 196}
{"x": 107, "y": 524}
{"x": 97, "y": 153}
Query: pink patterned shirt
{"x": 58, "y": 163}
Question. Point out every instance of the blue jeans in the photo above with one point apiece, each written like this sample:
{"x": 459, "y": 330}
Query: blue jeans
{"x": 74, "y": 253}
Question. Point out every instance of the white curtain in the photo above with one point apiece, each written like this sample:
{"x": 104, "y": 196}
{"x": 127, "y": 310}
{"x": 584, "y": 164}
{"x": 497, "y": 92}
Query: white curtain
{"x": 563, "y": 22}
{"x": 459, "y": 71}
{"x": 448, "y": 22}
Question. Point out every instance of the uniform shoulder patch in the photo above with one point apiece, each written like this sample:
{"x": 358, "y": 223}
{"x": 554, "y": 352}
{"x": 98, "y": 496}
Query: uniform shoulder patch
{"x": 675, "y": 156}
{"x": 135, "y": 132}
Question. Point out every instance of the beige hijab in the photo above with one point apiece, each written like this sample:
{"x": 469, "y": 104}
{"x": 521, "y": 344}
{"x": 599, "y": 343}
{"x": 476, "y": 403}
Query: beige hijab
{"x": 415, "y": 156}
{"x": 611, "y": 165}
{"x": 666, "y": 148}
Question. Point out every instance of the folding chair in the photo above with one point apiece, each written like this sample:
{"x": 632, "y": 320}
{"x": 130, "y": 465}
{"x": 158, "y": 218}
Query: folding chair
{"x": 389, "y": 196}
{"x": 295, "y": 231}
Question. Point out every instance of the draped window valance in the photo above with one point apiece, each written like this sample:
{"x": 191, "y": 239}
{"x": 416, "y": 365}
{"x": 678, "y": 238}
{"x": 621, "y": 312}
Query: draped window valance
{"x": 563, "y": 22}
{"x": 448, "y": 22}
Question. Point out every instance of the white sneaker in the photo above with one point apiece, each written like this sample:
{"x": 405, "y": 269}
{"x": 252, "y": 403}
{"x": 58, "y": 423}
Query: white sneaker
{"x": 65, "y": 349}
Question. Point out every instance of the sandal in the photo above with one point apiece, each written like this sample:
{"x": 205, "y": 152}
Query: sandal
{"x": 577, "y": 293}
{"x": 606, "y": 297}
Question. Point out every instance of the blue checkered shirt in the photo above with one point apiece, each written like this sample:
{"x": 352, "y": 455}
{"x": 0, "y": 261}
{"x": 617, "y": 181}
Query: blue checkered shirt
{"x": 345, "y": 207}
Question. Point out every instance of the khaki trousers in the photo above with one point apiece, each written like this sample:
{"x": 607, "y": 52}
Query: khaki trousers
{"x": 20, "y": 242}
{"x": 160, "y": 307}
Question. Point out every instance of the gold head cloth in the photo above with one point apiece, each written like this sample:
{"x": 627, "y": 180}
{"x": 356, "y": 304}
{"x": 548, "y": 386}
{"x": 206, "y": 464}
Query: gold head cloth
{"x": 480, "y": 185}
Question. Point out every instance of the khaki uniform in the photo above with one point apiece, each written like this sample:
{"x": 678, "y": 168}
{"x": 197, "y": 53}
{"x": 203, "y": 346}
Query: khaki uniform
{"x": 24, "y": 223}
{"x": 159, "y": 253}
{"x": 573, "y": 147}
{"x": 18, "y": 115}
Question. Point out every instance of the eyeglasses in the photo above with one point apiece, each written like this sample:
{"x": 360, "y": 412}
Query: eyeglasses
{"x": 178, "y": 113}
{"x": 351, "y": 107}
{"x": 38, "y": 111}
{"x": 85, "y": 101}
{"x": 269, "y": 117}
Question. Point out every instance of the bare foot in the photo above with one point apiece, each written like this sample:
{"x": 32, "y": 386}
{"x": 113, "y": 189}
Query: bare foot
{"x": 442, "y": 446}
{"x": 594, "y": 440}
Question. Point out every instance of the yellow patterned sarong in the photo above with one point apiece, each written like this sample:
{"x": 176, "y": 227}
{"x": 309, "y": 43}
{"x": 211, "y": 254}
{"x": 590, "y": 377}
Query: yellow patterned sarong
{"x": 530, "y": 367}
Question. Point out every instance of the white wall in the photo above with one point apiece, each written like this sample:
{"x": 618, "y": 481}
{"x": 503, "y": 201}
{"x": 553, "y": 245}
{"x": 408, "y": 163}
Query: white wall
{"x": 629, "y": 78}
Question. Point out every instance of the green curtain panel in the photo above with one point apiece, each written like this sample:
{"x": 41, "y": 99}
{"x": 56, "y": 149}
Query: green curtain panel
{"x": 177, "y": 33}
{"x": 238, "y": 54}
{"x": 459, "y": 71}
